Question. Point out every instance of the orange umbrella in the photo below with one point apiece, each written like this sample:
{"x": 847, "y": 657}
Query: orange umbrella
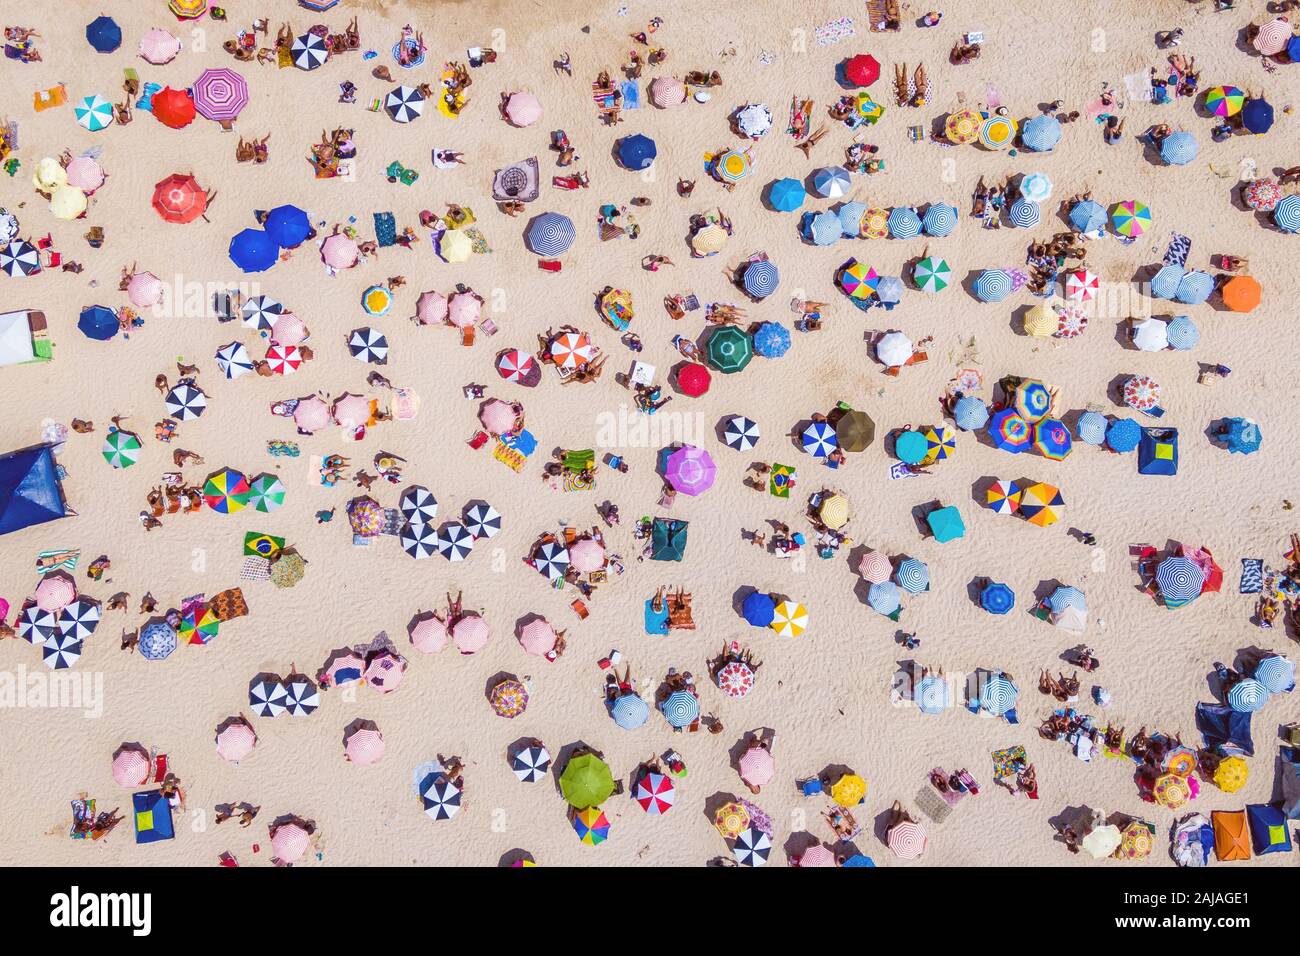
{"x": 172, "y": 108}
{"x": 180, "y": 198}
{"x": 1241, "y": 294}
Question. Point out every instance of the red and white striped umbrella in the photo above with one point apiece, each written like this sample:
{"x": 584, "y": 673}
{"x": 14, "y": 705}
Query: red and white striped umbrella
{"x": 514, "y": 365}
{"x": 537, "y": 637}
{"x": 656, "y": 793}
{"x": 145, "y": 290}
{"x": 236, "y": 740}
{"x": 283, "y": 359}
{"x": 1081, "y": 286}
{"x": 470, "y": 633}
{"x": 907, "y": 839}
{"x": 818, "y": 855}
{"x": 757, "y": 766}
{"x": 428, "y": 634}
{"x": 875, "y": 567}
{"x": 1273, "y": 37}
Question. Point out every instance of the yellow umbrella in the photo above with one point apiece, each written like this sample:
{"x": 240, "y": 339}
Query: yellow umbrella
{"x": 790, "y": 619}
{"x": 849, "y": 790}
{"x": 834, "y": 511}
{"x": 455, "y": 246}
{"x": 188, "y": 9}
{"x": 1042, "y": 321}
{"x": 1231, "y": 774}
{"x": 731, "y": 820}
{"x": 49, "y": 175}
{"x": 875, "y": 223}
{"x": 1137, "y": 841}
{"x": 963, "y": 126}
{"x": 67, "y": 202}
{"x": 709, "y": 240}
{"x": 1171, "y": 791}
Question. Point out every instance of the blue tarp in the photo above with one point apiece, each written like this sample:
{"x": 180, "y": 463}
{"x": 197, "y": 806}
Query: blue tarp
{"x": 1219, "y": 724}
{"x": 29, "y": 489}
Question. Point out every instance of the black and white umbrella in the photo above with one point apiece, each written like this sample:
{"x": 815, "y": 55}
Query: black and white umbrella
{"x": 20, "y": 258}
{"x": 531, "y": 764}
{"x": 482, "y": 520}
{"x": 552, "y": 560}
{"x": 418, "y": 505}
{"x": 309, "y": 51}
{"x": 233, "y": 360}
{"x": 301, "y": 696}
{"x": 35, "y": 625}
{"x": 268, "y": 698}
{"x": 752, "y": 847}
{"x": 368, "y": 345}
{"x": 260, "y": 312}
{"x": 404, "y": 103}
{"x": 60, "y": 651}
{"x": 186, "y": 402}
{"x": 441, "y": 797}
{"x": 79, "y": 619}
{"x": 741, "y": 433}
{"x": 454, "y": 541}
{"x": 419, "y": 540}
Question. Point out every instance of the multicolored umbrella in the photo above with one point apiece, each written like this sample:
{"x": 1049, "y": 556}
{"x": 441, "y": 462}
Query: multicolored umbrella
{"x": 858, "y": 280}
{"x": 1052, "y": 439}
{"x": 941, "y": 443}
{"x": 1033, "y": 399}
{"x": 94, "y": 113}
{"x": 509, "y": 698}
{"x": 1137, "y": 841}
{"x": 1130, "y": 218}
{"x": 1041, "y": 504}
{"x": 732, "y": 166}
{"x": 731, "y": 820}
{"x": 998, "y": 132}
{"x": 1003, "y": 497}
{"x": 226, "y": 491}
{"x": 1009, "y": 431}
{"x": 875, "y": 223}
{"x": 121, "y": 449}
{"x": 1224, "y": 100}
{"x": 1262, "y": 194}
{"x": 963, "y": 126}
{"x": 591, "y": 825}
{"x": 1141, "y": 392}
{"x": 199, "y": 625}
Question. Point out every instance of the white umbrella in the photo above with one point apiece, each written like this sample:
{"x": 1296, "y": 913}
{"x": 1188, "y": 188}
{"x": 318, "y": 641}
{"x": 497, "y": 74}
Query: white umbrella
{"x": 1151, "y": 335}
{"x": 894, "y": 349}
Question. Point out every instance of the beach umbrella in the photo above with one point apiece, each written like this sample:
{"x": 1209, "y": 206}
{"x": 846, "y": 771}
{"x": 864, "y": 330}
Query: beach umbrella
{"x": 591, "y": 825}
{"x": 49, "y": 176}
{"x": 1009, "y": 431}
{"x": 312, "y": 414}
{"x": 509, "y": 698}
{"x": 875, "y": 567}
{"x": 1041, "y": 133}
{"x": 551, "y": 559}
{"x": 1136, "y": 841}
{"x": 690, "y": 470}
{"x": 710, "y": 240}
{"x": 667, "y": 91}
{"x": 1041, "y": 504}
{"x": 732, "y": 819}
{"x": 20, "y": 258}
{"x": 729, "y": 349}
{"x": 266, "y": 493}
{"x": 1242, "y": 436}
{"x": 405, "y": 103}
{"x": 1231, "y": 774}
{"x": 173, "y": 108}
{"x": 904, "y": 223}
{"x": 1130, "y": 218}
{"x": 253, "y": 250}
{"x": 681, "y": 708}
{"x": 1276, "y": 673}
{"x": 157, "y": 640}
{"x": 368, "y": 345}
{"x": 145, "y": 290}
{"x": 789, "y": 619}
{"x": 754, "y": 120}
{"x": 98, "y": 322}
{"x": 1273, "y": 37}
{"x": 55, "y": 591}
{"x": 637, "y": 151}
{"x": 283, "y": 359}
{"x": 463, "y": 309}
{"x": 969, "y": 413}
{"x": 586, "y": 781}
{"x": 884, "y": 597}
{"x": 454, "y": 541}
{"x": 1164, "y": 284}
{"x": 1180, "y": 760}
{"x": 963, "y": 126}
{"x": 1179, "y": 149}
{"x": 786, "y": 195}
{"x": 912, "y": 575}
{"x": 1123, "y": 435}
{"x": 514, "y": 365}
{"x": 418, "y": 505}
{"x": 1088, "y": 216}
{"x": 941, "y": 443}
{"x": 36, "y": 625}
{"x": 751, "y": 847}
{"x": 79, "y": 618}
{"x": 758, "y": 609}
{"x": 819, "y": 439}
{"x": 550, "y": 234}
{"x": 931, "y": 694}
{"x": 455, "y": 246}
{"x": 939, "y": 220}
{"x": 287, "y": 226}
{"x": 1102, "y": 842}
{"x": 911, "y": 447}
{"x": 570, "y": 350}
{"x": 1091, "y": 428}
{"x": 1182, "y": 333}
{"x": 1247, "y": 696}
{"x": 825, "y": 228}
{"x": 849, "y": 790}
{"x": 586, "y": 555}
{"x": 301, "y": 696}
{"x": 121, "y": 449}
{"x": 440, "y": 797}
{"x": 850, "y": 216}
{"x": 309, "y": 51}
{"x": 998, "y": 132}
{"x": 998, "y": 694}
{"x": 1024, "y": 213}
{"x": 1042, "y": 321}
{"x": 932, "y": 274}
{"x": 629, "y": 711}
{"x": 1067, "y": 597}
{"x": 158, "y": 47}
{"x": 9, "y": 227}
{"x": 179, "y": 198}
{"x": 1052, "y": 439}
{"x": 771, "y": 340}
{"x": 1036, "y": 187}
{"x": 1179, "y": 579}
{"x": 1081, "y": 285}
{"x": 199, "y": 625}
{"x": 992, "y": 285}
{"x": 1262, "y": 194}
{"x": 235, "y": 739}
{"x": 471, "y": 633}
{"x": 428, "y": 632}
{"x": 538, "y": 637}
{"x": 1242, "y": 293}
{"x": 188, "y": 9}
{"x": 907, "y": 839}
{"x": 894, "y": 349}
{"x": 131, "y": 766}
{"x": 220, "y": 94}
{"x": 261, "y": 312}
{"x": 1293, "y": 49}
{"x": 364, "y": 745}
{"x": 1286, "y": 215}
{"x": 1033, "y": 399}
{"x": 889, "y": 289}
{"x": 67, "y": 203}
{"x": 732, "y": 166}
{"x": 875, "y": 224}
{"x": 93, "y": 113}
{"x": 817, "y": 855}
{"x": 834, "y": 511}
{"x": 226, "y": 491}
{"x": 186, "y": 402}
{"x": 522, "y": 109}
{"x": 531, "y": 763}
{"x": 655, "y": 792}
{"x": 61, "y": 651}
{"x": 1141, "y": 392}
{"x": 340, "y": 251}
{"x": 735, "y": 679}
{"x": 832, "y": 182}
{"x": 288, "y": 569}
{"x": 862, "y": 69}
{"x": 760, "y": 278}
{"x": 1224, "y": 100}
{"x": 104, "y": 34}
{"x": 858, "y": 281}
{"x": 997, "y": 598}
{"x": 431, "y": 308}
{"x": 1071, "y": 321}
{"x": 855, "y": 431}
{"x": 1194, "y": 287}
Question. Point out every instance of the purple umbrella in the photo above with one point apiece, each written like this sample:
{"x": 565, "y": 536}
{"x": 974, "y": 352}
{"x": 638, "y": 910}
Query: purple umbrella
{"x": 220, "y": 94}
{"x": 690, "y": 470}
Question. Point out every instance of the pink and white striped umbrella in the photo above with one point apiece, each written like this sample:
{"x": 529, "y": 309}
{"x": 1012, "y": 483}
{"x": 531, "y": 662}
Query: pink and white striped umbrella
{"x": 288, "y": 329}
{"x": 497, "y": 416}
{"x": 431, "y": 308}
{"x": 1273, "y": 37}
{"x": 463, "y": 310}
{"x": 55, "y": 592}
{"x": 907, "y": 839}
{"x": 523, "y": 109}
{"x": 131, "y": 766}
{"x": 85, "y": 173}
{"x": 159, "y": 47}
{"x": 236, "y": 740}
{"x": 470, "y": 633}
{"x": 817, "y": 855}
{"x": 290, "y": 843}
{"x": 351, "y": 411}
{"x": 312, "y": 414}
{"x": 667, "y": 92}
{"x": 757, "y": 766}
{"x": 875, "y": 567}
{"x": 145, "y": 290}
{"x": 219, "y": 94}
{"x": 364, "y": 746}
{"x": 428, "y": 634}
{"x": 339, "y": 252}
{"x": 537, "y": 637}
{"x": 586, "y": 555}
{"x": 385, "y": 672}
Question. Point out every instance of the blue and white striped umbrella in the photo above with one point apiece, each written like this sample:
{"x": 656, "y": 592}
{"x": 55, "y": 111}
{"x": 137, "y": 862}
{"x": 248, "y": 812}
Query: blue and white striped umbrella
{"x": 912, "y": 575}
{"x": 993, "y": 285}
{"x": 851, "y": 218}
{"x": 884, "y": 597}
{"x": 1276, "y": 673}
{"x": 680, "y": 708}
{"x": 1024, "y": 213}
{"x": 998, "y": 695}
{"x": 940, "y": 220}
{"x": 629, "y": 711}
{"x": 761, "y": 279}
{"x": 1179, "y": 579}
{"x": 825, "y": 229}
{"x": 970, "y": 414}
{"x": 1194, "y": 288}
{"x": 1179, "y": 149}
{"x": 819, "y": 439}
{"x": 832, "y": 182}
{"x": 904, "y": 223}
{"x": 550, "y": 234}
{"x": 1041, "y": 133}
{"x": 1286, "y": 216}
{"x": 1066, "y": 596}
{"x": 932, "y": 694}
{"x": 1182, "y": 333}
{"x": 1091, "y": 428}
{"x": 1164, "y": 284}
{"x": 1248, "y": 696}
{"x": 1088, "y": 216}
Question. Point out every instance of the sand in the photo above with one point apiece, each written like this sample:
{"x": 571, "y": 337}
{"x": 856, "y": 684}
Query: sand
{"x": 825, "y": 693}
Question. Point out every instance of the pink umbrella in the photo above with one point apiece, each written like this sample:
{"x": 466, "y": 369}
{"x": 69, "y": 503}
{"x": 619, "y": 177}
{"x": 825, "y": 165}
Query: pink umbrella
{"x": 463, "y": 310}
{"x": 145, "y": 290}
{"x": 86, "y": 174}
{"x": 757, "y": 766}
{"x": 342, "y": 667}
{"x": 384, "y": 672}
{"x": 586, "y": 555}
{"x": 288, "y": 329}
{"x": 351, "y": 411}
{"x": 497, "y": 416}
{"x": 667, "y": 91}
{"x": 339, "y": 252}
{"x": 428, "y": 633}
{"x": 131, "y": 767}
{"x": 235, "y": 739}
{"x": 365, "y": 745}
{"x": 470, "y": 633}
{"x": 312, "y": 414}
{"x": 817, "y": 855}
{"x": 907, "y": 839}
{"x": 690, "y": 470}
{"x": 875, "y": 567}
{"x": 523, "y": 109}
{"x": 56, "y": 591}
{"x": 537, "y": 637}
{"x": 431, "y": 308}
{"x": 159, "y": 47}
{"x": 219, "y": 94}
{"x": 290, "y": 842}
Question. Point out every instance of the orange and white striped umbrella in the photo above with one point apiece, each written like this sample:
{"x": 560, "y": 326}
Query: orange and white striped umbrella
{"x": 571, "y": 350}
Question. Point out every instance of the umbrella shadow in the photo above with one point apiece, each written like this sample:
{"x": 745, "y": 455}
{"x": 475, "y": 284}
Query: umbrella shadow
{"x": 975, "y": 587}
{"x": 716, "y": 802}
{"x": 1115, "y": 388}
{"x": 515, "y": 857}
{"x": 921, "y": 512}
{"x": 979, "y": 490}
{"x": 1016, "y": 322}
{"x": 1124, "y": 336}
{"x": 523, "y": 622}
{"x": 497, "y": 678}
{"x": 799, "y": 843}
{"x": 518, "y": 745}
{"x": 361, "y": 723}
{"x": 968, "y": 283}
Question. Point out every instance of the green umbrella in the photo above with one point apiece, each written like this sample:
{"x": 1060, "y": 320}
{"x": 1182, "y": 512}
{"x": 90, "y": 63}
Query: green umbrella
{"x": 855, "y": 431}
{"x": 121, "y": 449}
{"x": 932, "y": 274}
{"x": 266, "y": 493}
{"x": 729, "y": 349}
{"x": 586, "y": 781}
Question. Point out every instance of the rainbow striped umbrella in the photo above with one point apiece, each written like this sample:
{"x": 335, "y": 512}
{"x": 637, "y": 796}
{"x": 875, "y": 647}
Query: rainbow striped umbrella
{"x": 1052, "y": 439}
{"x": 226, "y": 491}
{"x": 591, "y": 825}
{"x": 1033, "y": 399}
{"x": 1224, "y": 100}
{"x": 1130, "y": 218}
{"x": 1009, "y": 431}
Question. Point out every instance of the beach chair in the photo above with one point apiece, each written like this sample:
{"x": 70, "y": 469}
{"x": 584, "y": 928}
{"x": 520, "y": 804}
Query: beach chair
{"x": 467, "y": 336}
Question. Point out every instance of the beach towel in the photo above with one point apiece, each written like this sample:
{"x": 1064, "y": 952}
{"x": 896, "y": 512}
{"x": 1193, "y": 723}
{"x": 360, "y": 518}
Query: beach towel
{"x": 656, "y": 622}
{"x": 929, "y": 801}
{"x": 1008, "y": 762}
{"x": 385, "y": 229}
{"x": 520, "y": 181}
{"x": 145, "y": 102}
{"x": 228, "y": 604}
{"x": 508, "y": 456}
{"x": 255, "y": 569}
{"x": 833, "y": 31}
{"x": 576, "y": 483}
{"x": 82, "y": 810}
{"x": 1179, "y": 248}
{"x": 631, "y": 91}
{"x": 1252, "y": 576}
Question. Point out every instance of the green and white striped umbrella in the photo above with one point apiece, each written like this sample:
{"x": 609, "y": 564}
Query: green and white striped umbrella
{"x": 121, "y": 449}
{"x": 94, "y": 113}
{"x": 932, "y": 274}
{"x": 266, "y": 493}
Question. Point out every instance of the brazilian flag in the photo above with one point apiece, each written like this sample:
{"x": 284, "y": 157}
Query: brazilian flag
{"x": 264, "y": 545}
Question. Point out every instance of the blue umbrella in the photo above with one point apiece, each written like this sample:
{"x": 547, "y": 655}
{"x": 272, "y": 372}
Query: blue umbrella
{"x": 772, "y": 340}
{"x": 1243, "y": 436}
{"x": 1276, "y": 673}
{"x": 1024, "y": 213}
{"x": 1293, "y": 49}
{"x": 1041, "y": 133}
{"x": 825, "y": 228}
{"x": 1123, "y": 435}
{"x": 993, "y": 285}
{"x": 884, "y": 598}
{"x": 940, "y": 220}
{"x": 912, "y": 575}
{"x": 1179, "y": 149}
{"x": 1088, "y": 216}
{"x": 1286, "y": 215}
{"x": 681, "y": 708}
{"x": 1257, "y": 116}
{"x": 1164, "y": 284}
{"x": 819, "y": 439}
{"x": 636, "y": 151}
{"x": 858, "y": 861}
{"x": 787, "y": 195}
{"x": 997, "y": 598}
{"x": 760, "y": 278}
{"x": 98, "y": 322}
{"x": 629, "y": 711}
{"x": 970, "y": 413}
{"x": 911, "y": 447}
{"x": 998, "y": 695}
{"x": 157, "y": 640}
{"x": 904, "y": 223}
{"x": 832, "y": 181}
{"x": 932, "y": 694}
{"x": 1009, "y": 431}
{"x": 851, "y": 218}
{"x": 1066, "y": 596}
{"x": 550, "y": 234}
{"x": 889, "y": 289}
{"x": 288, "y": 226}
{"x": 1179, "y": 579}
{"x": 1247, "y": 696}
{"x": 1182, "y": 333}
{"x": 1091, "y": 428}
{"x": 1194, "y": 288}
{"x": 759, "y": 609}
{"x": 253, "y": 250}
{"x": 104, "y": 34}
